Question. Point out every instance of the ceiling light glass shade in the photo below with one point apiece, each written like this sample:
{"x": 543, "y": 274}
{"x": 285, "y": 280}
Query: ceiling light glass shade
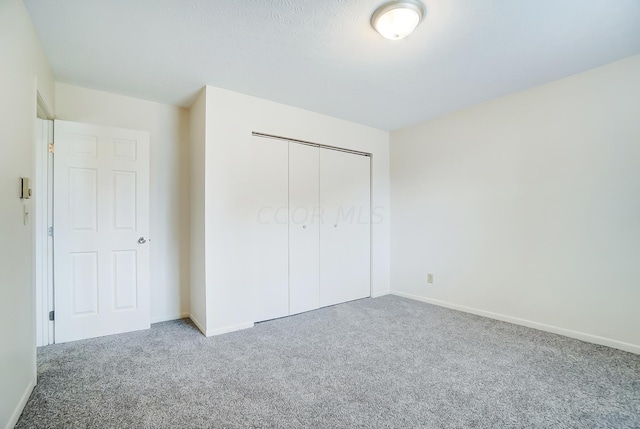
{"x": 397, "y": 19}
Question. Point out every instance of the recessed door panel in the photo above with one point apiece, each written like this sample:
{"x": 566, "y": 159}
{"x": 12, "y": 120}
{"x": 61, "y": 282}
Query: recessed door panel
{"x": 83, "y": 145}
{"x": 124, "y": 200}
{"x": 83, "y": 195}
{"x": 125, "y": 279}
{"x": 84, "y": 279}
{"x": 125, "y": 149}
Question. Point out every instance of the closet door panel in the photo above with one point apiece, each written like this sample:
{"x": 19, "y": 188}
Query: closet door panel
{"x": 345, "y": 230}
{"x": 267, "y": 199}
{"x": 304, "y": 228}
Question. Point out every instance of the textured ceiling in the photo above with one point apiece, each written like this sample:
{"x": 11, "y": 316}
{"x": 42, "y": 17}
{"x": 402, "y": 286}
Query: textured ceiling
{"x": 322, "y": 55}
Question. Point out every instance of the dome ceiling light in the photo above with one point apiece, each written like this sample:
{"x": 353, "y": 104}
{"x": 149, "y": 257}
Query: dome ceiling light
{"x": 397, "y": 19}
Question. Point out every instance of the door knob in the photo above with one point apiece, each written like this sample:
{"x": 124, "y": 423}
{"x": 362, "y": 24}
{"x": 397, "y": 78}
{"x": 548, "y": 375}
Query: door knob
{"x": 142, "y": 240}
{"x": 304, "y": 226}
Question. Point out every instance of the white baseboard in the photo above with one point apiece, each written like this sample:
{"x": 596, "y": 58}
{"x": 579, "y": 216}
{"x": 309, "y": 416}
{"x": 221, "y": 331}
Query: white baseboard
{"x": 198, "y": 324}
{"x": 379, "y": 294}
{"x": 20, "y": 406}
{"x": 632, "y": 348}
{"x": 227, "y": 329}
{"x": 220, "y": 331}
{"x": 169, "y": 318}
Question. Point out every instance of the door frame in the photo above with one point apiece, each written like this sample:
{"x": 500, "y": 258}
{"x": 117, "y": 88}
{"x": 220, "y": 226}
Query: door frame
{"x": 43, "y": 224}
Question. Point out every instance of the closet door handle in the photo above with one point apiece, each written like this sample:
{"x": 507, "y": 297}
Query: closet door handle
{"x": 304, "y": 226}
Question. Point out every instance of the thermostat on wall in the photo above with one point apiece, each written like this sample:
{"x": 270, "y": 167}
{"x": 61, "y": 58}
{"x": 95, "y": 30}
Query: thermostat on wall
{"x": 25, "y": 191}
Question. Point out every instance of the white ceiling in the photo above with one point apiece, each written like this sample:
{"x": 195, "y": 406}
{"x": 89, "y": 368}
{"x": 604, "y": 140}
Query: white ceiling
{"x": 322, "y": 55}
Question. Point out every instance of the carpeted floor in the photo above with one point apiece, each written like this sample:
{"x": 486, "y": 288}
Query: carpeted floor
{"x": 376, "y": 363}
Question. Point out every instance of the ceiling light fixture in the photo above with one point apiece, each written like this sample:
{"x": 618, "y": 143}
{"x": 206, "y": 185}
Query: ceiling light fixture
{"x": 397, "y": 19}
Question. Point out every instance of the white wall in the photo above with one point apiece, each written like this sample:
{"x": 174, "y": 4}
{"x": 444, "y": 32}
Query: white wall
{"x": 23, "y": 70}
{"x": 197, "y": 232}
{"x": 527, "y": 208}
{"x": 231, "y": 117}
{"x": 169, "y": 129}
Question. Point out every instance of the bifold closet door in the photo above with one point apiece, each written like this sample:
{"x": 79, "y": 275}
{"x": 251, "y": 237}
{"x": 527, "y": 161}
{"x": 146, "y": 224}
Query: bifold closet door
{"x": 304, "y": 228}
{"x": 345, "y": 231}
{"x": 267, "y": 197}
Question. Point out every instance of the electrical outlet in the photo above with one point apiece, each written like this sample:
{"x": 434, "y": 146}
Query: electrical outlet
{"x": 430, "y": 278}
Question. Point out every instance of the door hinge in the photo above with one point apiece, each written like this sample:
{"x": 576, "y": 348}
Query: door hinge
{"x": 52, "y": 148}
{"x": 52, "y": 315}
{"x": 50, "y": 232}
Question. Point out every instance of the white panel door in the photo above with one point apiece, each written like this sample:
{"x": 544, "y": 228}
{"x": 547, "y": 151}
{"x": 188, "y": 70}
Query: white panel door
{"x": 268, "y": 200}
{"x": 345, "y": 272}
{"x": 101, "y": 227}
{"x": 304, "y": 228}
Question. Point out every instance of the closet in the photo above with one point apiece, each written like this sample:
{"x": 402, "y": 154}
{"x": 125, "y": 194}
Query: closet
{"x": 322, "y": 212}
{"x": 304, "y": 227}
{"x": 345, "y": 232}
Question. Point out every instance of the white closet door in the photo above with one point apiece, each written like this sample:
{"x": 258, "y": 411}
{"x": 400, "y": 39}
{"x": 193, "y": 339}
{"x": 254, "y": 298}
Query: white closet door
{"x": 304, "y": 228}
{"x": 268, "y": 196}
{"x": 345, "y": 231}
